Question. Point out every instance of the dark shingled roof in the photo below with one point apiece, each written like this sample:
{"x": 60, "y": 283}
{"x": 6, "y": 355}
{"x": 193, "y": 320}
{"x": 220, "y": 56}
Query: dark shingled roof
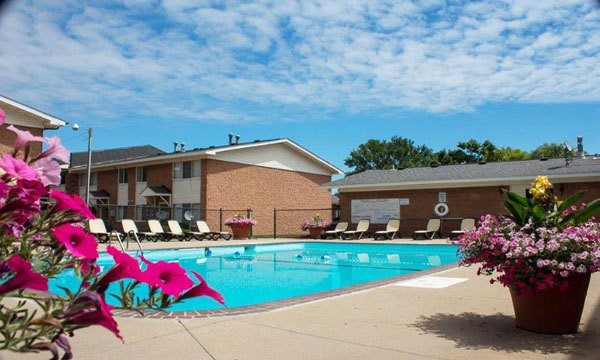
{"x": 118, "y": 154}
{"x": 472, "y": 172}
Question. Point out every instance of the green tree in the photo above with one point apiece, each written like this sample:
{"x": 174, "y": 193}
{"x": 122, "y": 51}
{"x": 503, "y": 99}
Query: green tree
{"x": 476, "y": 151}
{"x": 550, "y": 150}
{"x": 508, "y": 154}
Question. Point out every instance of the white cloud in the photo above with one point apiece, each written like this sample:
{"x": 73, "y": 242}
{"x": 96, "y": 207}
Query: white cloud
{"x": 281, "y": 59}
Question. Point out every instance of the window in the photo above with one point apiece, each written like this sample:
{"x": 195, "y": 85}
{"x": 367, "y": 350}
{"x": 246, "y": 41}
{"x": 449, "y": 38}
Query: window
{"x": 141, "y": 174}
{"x": 123, "y": 176}
{"x": 121, "y": 212}
{"x": 186, "y": 170}
{"x": 83, "y": 177}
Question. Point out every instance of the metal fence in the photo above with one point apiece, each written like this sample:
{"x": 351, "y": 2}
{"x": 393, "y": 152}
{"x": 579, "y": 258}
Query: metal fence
{"x": 287, "y": 222}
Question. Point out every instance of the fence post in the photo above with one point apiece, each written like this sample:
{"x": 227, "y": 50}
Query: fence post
{"x": 249, "y": 215}
{"x": 220, "y": 219}
{"x": 274, "y": 223}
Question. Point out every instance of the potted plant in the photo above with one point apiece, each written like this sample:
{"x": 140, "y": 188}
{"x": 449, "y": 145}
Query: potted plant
{"x": 240, "y": 226}
{"x": 316, "y": 226}
{"x": 544, "y": 252}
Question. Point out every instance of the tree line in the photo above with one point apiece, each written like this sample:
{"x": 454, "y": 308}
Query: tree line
{"x": 400, "y": 152}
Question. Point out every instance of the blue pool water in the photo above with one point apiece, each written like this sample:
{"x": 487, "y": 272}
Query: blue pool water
{"x": 254, "y": 274}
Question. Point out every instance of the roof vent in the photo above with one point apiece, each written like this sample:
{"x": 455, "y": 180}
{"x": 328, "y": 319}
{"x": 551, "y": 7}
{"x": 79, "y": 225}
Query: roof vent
{"x": 230, "y": 138}
{"x": 237, "y": 139}
{"x": 256, "y": 140}
{"x": 212, "y": 147}
{"x": 434, "y": 165}
{"x": 544, "y": 159}
{"x": 175, "y": 144}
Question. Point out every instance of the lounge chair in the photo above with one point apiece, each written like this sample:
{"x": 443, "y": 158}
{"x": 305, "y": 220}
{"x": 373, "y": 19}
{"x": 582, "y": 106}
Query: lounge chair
{"x": 156, "y": 228}
{"x": 205, "y": 233}
{"x": 337, "y": 231}
{"x": 131, "y": 230}
{"x": 465, "y": 225}
{"x": 98, "y": 229}
{"x": 361, "y": 228}
{"x": 391, "y": 229}
{"x": 433, "y": 227}
{"x": 176, "y": 232}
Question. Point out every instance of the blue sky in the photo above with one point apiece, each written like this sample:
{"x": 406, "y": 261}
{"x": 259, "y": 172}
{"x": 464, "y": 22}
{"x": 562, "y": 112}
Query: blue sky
{"x": 327, "y": 74}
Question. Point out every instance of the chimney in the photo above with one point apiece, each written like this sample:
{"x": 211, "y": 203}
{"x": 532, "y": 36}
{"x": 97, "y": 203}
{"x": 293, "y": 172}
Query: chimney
{"x": 175, "y": 143}
{"x": 182, "y": 147}
{"x": 237, "y": 139}
{"x": 580, "y": 147}
{"x": 230, "y": 138}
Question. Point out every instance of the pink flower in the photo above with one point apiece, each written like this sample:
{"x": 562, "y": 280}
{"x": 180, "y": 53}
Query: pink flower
{"x": 77, "y": 241}
{"x": 75, "y": 204}
{"x": 202, "y": 289}
{"x": 89, "y": 308}
{"x": 16, "y": 168}
{"x": 49, "y": 171}
{"x": 55, "y": 150}
{"x": 125, "y": 267}
{"x": 23, "y": 137}
{"x": 169, "y": 277}
{"x": 24, "y": 278}
{"x": 2, "y": 116}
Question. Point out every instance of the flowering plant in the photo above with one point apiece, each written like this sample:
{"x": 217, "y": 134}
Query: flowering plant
{"x": 239, "y": 219}
{"x": 316, "y": 221}
{"x": 541, "y": 243}
{"x": 39, "y": 241}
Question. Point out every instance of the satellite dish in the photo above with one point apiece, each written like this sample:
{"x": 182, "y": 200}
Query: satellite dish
{"x": 568, "y": 146}
{"x": 188, "y": 215}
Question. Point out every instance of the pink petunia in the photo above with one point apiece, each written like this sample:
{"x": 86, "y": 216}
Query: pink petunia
{"x": 79, "y": 243}
{"x": 16, "y": 168}
{"x": 89, "y": 308}
{"x": 24, "y": 278}
{"x": 66, "y": 202}
{"x": 169, "y": 277}
{"x": 23, "y": 137}
{"x": 55, "y": 150}
{"x": 202, "y": 289}
{"x": 2, "y": 116}
{"x": 125, "y": 267}
{"x": 49, "y": 171}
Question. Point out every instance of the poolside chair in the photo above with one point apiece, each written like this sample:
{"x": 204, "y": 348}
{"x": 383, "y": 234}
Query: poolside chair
{"x": 433, "y": 227}
{"x": 337, "y": 232}
{"x": 98, "y": 229}
{"x": 156, "y": 228}
{"x": 361, "y": 228}
{"x": 465, "y": 225}
{"x": 391, "y": 229}
{"x": 131, "y": 230}
{"x": 205, "y": 233}
{"x": 176, "y": 232}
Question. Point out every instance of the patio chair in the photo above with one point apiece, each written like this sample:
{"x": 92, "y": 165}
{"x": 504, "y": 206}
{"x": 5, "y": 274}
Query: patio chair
{"x": 205, "y": 233}
{"x": 176, "y": 232}
{"x": 131, "y": 230}
{"x": 465, "y": 225}
{"x": 391, "y": 229}
{"x": 337, "y": 231}
{"x": 433, "y": 227}
{"x": 361, "y": 228}
{"x": 98, "y": 229}
{"x": 156, "y": 228}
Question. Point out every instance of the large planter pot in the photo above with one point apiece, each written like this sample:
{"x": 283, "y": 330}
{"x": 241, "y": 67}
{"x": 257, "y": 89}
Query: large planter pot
{"x": 240, "y": 232}
{"x": 552, "y": 311}
{"x": 316, "y": 232}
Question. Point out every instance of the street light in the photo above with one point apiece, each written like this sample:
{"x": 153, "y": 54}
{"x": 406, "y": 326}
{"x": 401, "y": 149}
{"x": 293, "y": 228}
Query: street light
{"x": 89, "y": 164}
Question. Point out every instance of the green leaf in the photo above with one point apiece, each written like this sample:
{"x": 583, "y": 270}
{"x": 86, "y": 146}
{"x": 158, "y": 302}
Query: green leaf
{"x": 519, "y": 215}
{"x": 539, "y": 214}
{"x": 587, "y": 212}
{"x": 570, "y": 201}
{"x": 516, "y": 198}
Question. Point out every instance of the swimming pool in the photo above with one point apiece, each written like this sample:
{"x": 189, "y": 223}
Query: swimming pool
{"x": 255, "y": 274}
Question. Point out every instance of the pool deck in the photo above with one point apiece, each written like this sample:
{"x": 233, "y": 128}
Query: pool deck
{"x": 471, "y": 319}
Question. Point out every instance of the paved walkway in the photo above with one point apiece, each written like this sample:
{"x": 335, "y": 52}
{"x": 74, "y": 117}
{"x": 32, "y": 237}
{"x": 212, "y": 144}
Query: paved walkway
{"x": 471, "y": 319}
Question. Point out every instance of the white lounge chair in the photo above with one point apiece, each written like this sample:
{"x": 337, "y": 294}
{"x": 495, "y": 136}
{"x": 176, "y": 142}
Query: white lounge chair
{"x": 204, "y": 232}
{"x": 391, "y": 229}
{"x": 361, "y": 228}
{"x": 176, "y": 231}
{"x": 337, "y": 231}
{"x": 131, "y": 230}
{"x": 433, "y": 226}
{"x": 465, "y": 225}
{"x": 98, "y": 229}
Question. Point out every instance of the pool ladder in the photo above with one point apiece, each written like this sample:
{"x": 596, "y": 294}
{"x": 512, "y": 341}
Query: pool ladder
{"x": 129, "y": 235}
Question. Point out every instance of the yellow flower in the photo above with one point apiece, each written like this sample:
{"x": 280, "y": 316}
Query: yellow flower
{"x": 539, "y": 187}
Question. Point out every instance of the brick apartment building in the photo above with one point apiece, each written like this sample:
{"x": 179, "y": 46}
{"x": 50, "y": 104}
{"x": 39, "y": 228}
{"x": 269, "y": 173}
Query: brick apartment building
{"x": 468, "y": 190}
{"x": 25, "y": 118}
{"x": 146, "y": 183}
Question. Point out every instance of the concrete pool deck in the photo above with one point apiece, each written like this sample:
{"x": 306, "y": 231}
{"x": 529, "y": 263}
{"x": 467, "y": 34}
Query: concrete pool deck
{"x": 471, "y": 319}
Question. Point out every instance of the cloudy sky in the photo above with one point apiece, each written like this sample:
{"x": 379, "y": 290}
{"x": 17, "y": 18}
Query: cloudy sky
{"x": 327, "y": 74}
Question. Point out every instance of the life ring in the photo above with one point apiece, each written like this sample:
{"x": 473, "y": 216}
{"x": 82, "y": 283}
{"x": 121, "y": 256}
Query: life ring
{"x": 441, "y": 209}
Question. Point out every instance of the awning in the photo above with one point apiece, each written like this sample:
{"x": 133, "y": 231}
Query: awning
{"x": 101, "y": 196}
{"x": 157, "y": 195}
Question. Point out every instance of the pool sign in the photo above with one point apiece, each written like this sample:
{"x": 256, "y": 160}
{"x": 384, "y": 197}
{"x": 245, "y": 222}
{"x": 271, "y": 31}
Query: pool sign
{"x": 379, "y": 211}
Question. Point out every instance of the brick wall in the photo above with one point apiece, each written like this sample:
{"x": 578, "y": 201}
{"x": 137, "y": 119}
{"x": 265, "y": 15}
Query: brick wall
{"x": 240, "y": 186}
{"x": 462, "y": 202}
{"x": 7, "y": 139}
{"x": 107, "y": 181}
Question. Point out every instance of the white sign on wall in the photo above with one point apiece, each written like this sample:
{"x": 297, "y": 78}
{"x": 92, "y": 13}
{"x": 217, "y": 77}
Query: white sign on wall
{"x": 379, "y": 211}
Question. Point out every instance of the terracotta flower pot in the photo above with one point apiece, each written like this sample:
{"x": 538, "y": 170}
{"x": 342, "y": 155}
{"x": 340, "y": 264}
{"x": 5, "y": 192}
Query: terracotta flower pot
{"x": 315, "y": 232}
{"x": 552, "y": 311}
{"x": 240, "y": 232}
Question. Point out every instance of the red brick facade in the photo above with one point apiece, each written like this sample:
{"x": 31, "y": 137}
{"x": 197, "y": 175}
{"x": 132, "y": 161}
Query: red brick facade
{"x": 462, "y": 202}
